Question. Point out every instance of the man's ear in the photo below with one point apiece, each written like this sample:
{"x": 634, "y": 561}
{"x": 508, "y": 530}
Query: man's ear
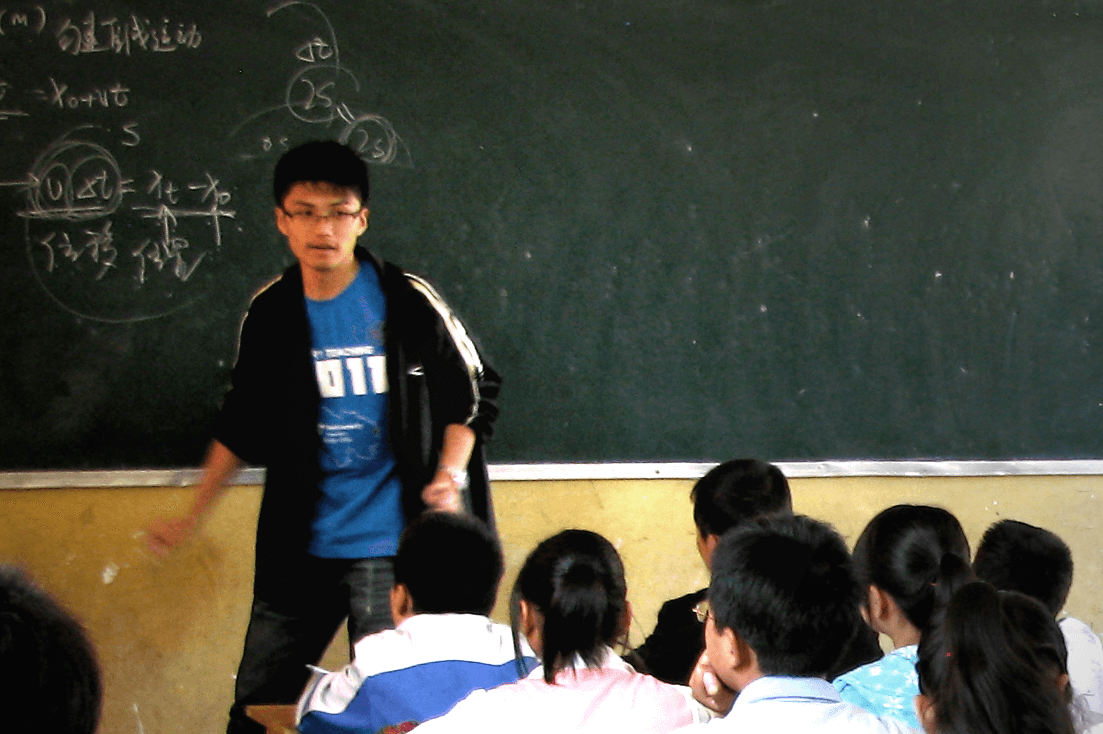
{"x": 402, "y": 604}
{"x": 282, "y": 221}
{"x": 924, "y": 711}
{"x": 362, "y": 221}
{"x": 746, "y": 659}
{"x": 706, "y": 545}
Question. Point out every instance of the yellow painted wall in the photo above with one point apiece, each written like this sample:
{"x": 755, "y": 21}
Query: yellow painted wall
{"x": 169, "y": 631}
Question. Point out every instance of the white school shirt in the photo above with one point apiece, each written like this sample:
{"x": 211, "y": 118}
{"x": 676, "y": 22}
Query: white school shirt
{"x": 611, "y": 699}
{"x": 1085, "y": 666}
{"x": 785, "y": 705}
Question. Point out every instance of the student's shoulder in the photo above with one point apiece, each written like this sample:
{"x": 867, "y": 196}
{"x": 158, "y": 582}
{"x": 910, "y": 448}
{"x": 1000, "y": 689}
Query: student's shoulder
{"x": 433, "y": 638}
{"x": 684, "y": 603}
{"x": 852, "y": 718}
{"x": 1080, "y": 638}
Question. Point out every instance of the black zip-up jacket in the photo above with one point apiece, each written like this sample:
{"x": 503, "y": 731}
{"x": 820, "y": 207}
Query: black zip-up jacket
{"x": 269, "y": 416}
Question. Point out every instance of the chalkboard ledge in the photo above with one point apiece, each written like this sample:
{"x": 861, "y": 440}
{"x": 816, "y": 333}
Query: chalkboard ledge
{"x": 590, "y": 471}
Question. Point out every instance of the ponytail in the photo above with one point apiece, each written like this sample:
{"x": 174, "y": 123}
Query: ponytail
{"x": 918, "y": 555}
{"x": 993, "y": 663}
{"x": 576, "y": 580}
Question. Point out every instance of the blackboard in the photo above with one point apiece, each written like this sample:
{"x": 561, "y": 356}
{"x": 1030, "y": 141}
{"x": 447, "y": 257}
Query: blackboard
{"x": 682, "y": 229}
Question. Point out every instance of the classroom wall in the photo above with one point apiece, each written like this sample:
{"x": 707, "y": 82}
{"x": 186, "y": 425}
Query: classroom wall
{"x": 169, "y": 631}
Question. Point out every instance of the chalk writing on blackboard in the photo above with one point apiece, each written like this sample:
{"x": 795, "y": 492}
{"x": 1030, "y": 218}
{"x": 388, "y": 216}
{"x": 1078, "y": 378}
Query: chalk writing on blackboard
{"x": 94, "y": 33}
{"x": 125, "y": 36}
{"x": 31, "y": 18}
{"x": 91, "y": 224}
{"x": 321, "y": 91}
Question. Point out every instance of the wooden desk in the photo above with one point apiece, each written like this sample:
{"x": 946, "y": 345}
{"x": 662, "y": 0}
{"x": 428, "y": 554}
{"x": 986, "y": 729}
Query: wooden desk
{"x": 276, "y": 718}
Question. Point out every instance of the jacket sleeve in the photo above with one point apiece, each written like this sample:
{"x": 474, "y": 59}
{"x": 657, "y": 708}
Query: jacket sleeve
{"x": 236, "y": 424}
{"x": 463, "y": 385}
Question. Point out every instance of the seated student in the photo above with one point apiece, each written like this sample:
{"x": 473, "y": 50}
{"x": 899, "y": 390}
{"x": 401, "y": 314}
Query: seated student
{"x": 994, "y": 664}
{"x": 47, "y": 663}
{"x": 910, "y": 560}
{"x": 447, "y": 570}
{"x": 1014, "y": 556}
{"x": 730, "y": 494}
{"x": 570, "y": 601}
{"x": 782, "y": 605}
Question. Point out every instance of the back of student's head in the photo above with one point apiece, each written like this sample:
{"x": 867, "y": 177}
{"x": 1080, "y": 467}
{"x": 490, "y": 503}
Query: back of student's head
{"x": 737, "y": 491}
{"x": 51, "y": 680}
{"x": 918, "y": 555}
{"x": 321, "y": 161}
{"x": 786, "y": 585}
{"x": 575, "y": 579}
{"x": 1015, "y": 556}
{"x": 449, "y": 562}
{"x": 993, "y": 663}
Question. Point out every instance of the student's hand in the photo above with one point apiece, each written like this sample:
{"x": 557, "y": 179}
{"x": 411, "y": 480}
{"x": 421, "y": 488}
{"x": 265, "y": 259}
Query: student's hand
{"x": 442, "y": 493}
{"x": 165, "y": 533}
{"x": 708, "y": 688}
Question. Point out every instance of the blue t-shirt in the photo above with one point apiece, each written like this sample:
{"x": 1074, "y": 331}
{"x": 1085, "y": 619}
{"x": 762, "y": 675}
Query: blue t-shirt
{"x": 886, "y": 687}
{"x": 360, "y": 512}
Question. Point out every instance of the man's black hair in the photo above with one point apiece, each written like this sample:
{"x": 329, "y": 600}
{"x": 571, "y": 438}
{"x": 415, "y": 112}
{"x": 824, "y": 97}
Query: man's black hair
{"x": 48, "y": 665}
{"x": 1014, "y": 556}
{"x": 737, "y": 491}
{"x": 321, "y": 161}
{"x": 450, "y": 563}
{"x": 786, "y": 586}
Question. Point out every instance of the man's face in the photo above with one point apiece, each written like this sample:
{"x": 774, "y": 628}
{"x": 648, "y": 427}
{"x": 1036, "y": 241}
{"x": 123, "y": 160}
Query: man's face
{"x": 322, "y": 223}
{"x": 720, "y": 648}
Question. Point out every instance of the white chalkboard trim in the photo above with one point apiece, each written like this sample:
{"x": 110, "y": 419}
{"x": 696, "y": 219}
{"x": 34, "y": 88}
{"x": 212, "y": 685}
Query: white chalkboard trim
{"x": 595, "y": 471}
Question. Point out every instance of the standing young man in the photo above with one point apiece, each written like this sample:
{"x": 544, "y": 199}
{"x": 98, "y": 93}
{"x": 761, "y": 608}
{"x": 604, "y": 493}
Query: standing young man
{"x": 366, "y": 401}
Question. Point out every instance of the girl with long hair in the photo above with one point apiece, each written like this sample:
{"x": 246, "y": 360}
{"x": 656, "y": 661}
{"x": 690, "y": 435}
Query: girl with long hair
{"x": 911, "y": 558}
{"x": 994, "y": 664}
{"x": 570, "y": 602}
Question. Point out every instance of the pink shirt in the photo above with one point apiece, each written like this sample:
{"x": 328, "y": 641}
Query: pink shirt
{"x": 610, "y": 699}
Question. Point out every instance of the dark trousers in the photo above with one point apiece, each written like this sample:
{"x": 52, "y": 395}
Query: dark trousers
{"x": 291, "y": 630}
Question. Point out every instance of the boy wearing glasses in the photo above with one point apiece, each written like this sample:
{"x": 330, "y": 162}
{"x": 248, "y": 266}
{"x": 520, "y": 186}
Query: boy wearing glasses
{"x": 367, "y": 402}
{"x": 781, "y": 606}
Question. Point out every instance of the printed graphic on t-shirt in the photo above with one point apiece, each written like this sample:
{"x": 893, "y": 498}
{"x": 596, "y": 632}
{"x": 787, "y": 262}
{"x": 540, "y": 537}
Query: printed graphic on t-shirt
{"x": 355, "y": 371}
{"x": 341, "y": 435}
{"x": 353, "y": 385}
{"x": 359, "y": 513}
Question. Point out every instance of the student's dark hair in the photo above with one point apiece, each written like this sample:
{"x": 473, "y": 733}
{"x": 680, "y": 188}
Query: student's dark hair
{"x": 786, "y": 585}
{"x": 48, "y": 665}
{"x": 991, "y": 664}
{"x": 450, "y": 563}
{"x": 576, "y": 580}
{"x": 1014, "y": 556}
{"x": 737, "y": 491}
{"x": 917, "y": 554}
{"x": 321, "y": 161}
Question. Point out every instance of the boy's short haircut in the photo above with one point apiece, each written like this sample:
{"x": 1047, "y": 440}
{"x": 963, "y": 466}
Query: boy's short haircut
{"x": 51, "y": 677}
{"x": 450, "y": 563}
{"x": 321, "y": 161}
{"x": 1014, "y": 556}
{"x": 787, "y": 587}
{"x": 737, "y": 491}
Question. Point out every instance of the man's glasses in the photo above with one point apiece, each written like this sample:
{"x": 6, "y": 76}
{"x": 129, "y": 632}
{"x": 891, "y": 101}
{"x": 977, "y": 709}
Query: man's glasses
{"x": 702, "y": 609}
{"x": 340, "y": 219}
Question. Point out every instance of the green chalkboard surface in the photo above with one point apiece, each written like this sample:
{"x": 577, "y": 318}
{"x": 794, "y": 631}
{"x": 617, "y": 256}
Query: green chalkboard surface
{"x": 682, "y": 229}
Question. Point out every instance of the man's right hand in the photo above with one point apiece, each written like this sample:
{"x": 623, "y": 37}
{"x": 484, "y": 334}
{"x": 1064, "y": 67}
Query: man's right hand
{"x": 165, "y": 533}
{"x": 708, "y": 688}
